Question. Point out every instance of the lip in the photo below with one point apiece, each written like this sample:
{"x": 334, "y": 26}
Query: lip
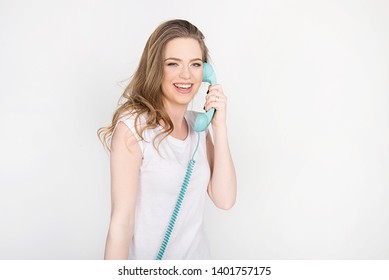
{"x": 183, "y": 90}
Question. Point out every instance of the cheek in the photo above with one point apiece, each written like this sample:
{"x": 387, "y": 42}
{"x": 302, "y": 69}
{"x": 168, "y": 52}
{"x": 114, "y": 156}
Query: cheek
{"x": 198, "y": 76}
{"x": 166, "y": 79}
{"x": 198, "y": 84}
{"x": 165, "y": 87}
{"x": 168, "y": 73}
{"x": 164, "y": 84}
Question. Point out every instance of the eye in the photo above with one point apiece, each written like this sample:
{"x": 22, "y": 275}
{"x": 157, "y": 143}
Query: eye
{"x": 197, "y": 64}
{"x": 172, "y": 64}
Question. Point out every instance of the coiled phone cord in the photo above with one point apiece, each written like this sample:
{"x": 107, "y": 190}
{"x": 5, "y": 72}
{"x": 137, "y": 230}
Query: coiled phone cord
{"x": 173, "y": 218}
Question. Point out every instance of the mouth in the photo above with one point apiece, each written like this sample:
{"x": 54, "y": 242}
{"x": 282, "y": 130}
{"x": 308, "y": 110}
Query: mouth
{"x": 183, "y": 85}
{"x": 183, "y": 88}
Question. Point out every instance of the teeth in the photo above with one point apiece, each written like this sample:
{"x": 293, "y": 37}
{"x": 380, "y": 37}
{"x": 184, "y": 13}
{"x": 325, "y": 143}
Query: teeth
{"x": 185, "y": 86}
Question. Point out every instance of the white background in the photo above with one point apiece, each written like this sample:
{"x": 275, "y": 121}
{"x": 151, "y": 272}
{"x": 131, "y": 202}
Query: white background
{"x": 308, "y": 92}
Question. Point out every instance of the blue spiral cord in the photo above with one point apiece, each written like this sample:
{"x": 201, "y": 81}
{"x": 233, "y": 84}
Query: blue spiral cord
{"x": 173, "y": 218}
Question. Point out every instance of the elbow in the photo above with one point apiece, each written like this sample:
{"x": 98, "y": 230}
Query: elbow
{"x": 223, "y": 198}
{"x": 227, "y": 205}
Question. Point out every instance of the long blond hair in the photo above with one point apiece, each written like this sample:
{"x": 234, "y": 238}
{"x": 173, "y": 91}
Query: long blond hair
{"x": 144, "y": 94}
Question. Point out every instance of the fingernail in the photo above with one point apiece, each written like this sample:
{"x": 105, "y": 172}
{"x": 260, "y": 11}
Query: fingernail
{"x": 207, "y": 91}
{"x": 204, "y": 108}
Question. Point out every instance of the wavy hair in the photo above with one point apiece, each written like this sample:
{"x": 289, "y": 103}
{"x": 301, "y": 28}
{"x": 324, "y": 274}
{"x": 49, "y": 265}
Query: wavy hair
{"x": 144, "y": 92}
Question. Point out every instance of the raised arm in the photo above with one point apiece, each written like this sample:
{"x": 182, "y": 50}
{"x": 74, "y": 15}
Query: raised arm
{"x": 223, "y": 185}
{"x": 125, "y": 162}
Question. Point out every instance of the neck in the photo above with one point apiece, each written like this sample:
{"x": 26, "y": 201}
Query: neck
{"x": 176, "y": 114}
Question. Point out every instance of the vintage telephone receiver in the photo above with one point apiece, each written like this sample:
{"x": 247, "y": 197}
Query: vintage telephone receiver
{"x": 204, "y": 119}
{"x": 201, "y": 123}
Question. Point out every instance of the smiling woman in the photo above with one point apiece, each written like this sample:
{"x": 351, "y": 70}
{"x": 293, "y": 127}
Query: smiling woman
{"x": 151, "y": 140}
{"x": 182, "y": 75}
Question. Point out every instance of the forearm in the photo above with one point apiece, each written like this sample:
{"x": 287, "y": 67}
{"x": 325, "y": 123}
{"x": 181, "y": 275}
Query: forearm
{"x": 223, "y": 182}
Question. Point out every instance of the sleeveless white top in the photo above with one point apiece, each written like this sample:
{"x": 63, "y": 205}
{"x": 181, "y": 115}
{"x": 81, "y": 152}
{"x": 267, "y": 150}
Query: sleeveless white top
{"x": 161, "y": 178}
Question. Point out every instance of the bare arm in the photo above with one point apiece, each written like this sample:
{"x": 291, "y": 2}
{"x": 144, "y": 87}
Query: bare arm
{"x": 126, "y": 158}
{"x": 223, "y": 185}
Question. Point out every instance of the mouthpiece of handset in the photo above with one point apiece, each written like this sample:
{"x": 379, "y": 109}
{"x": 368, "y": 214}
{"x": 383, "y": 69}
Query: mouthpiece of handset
{"x": 203, "y": 120}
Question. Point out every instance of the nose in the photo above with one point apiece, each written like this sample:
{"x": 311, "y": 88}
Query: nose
{"x": 185, "y": 72}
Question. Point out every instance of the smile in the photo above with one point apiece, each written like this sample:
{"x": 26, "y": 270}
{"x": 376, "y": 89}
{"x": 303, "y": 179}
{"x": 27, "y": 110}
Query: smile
{"x": 183, "y": 86}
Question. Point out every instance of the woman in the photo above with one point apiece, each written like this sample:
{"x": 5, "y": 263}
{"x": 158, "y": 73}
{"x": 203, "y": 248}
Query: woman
{"x": 152, "y": 141}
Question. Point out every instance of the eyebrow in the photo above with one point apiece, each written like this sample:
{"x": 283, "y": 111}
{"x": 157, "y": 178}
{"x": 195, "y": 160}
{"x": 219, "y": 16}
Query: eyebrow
{"x": 178, "y": 59}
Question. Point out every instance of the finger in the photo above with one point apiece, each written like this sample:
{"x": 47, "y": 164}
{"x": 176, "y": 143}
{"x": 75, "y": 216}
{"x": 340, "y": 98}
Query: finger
{"x": 216, "y": 98}
{"x": 212, "y": 97}
{"x": 215, "y": 102}
{"x": 215, "y": 91}
{"x": 210, "y": 103}
{"x": 213, "y": 105}
{"x": 217, "y": 86}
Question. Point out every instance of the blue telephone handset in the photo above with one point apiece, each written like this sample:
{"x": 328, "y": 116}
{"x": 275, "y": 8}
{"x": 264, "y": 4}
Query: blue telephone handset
{"x": 201, "y": 123}
{"x": 204, "y": 119}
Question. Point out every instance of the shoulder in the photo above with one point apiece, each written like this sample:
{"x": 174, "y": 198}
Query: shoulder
{"x": 128, "y": 128}
{"x": 132, "y": 119}
{"x": 123, "y": 139}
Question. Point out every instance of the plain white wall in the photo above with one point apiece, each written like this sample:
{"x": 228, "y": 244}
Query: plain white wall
{"x": 308, "y": 88}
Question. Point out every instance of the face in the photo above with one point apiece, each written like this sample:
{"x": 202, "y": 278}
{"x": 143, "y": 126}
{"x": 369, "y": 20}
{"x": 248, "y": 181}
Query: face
{"x": 182, "y": 71}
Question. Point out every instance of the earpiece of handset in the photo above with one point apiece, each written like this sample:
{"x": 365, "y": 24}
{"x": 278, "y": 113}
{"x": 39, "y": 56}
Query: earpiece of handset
{"x": 204, "y": 119}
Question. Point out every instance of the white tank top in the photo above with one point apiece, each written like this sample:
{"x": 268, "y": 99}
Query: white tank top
{"x": 161, "y": 178}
